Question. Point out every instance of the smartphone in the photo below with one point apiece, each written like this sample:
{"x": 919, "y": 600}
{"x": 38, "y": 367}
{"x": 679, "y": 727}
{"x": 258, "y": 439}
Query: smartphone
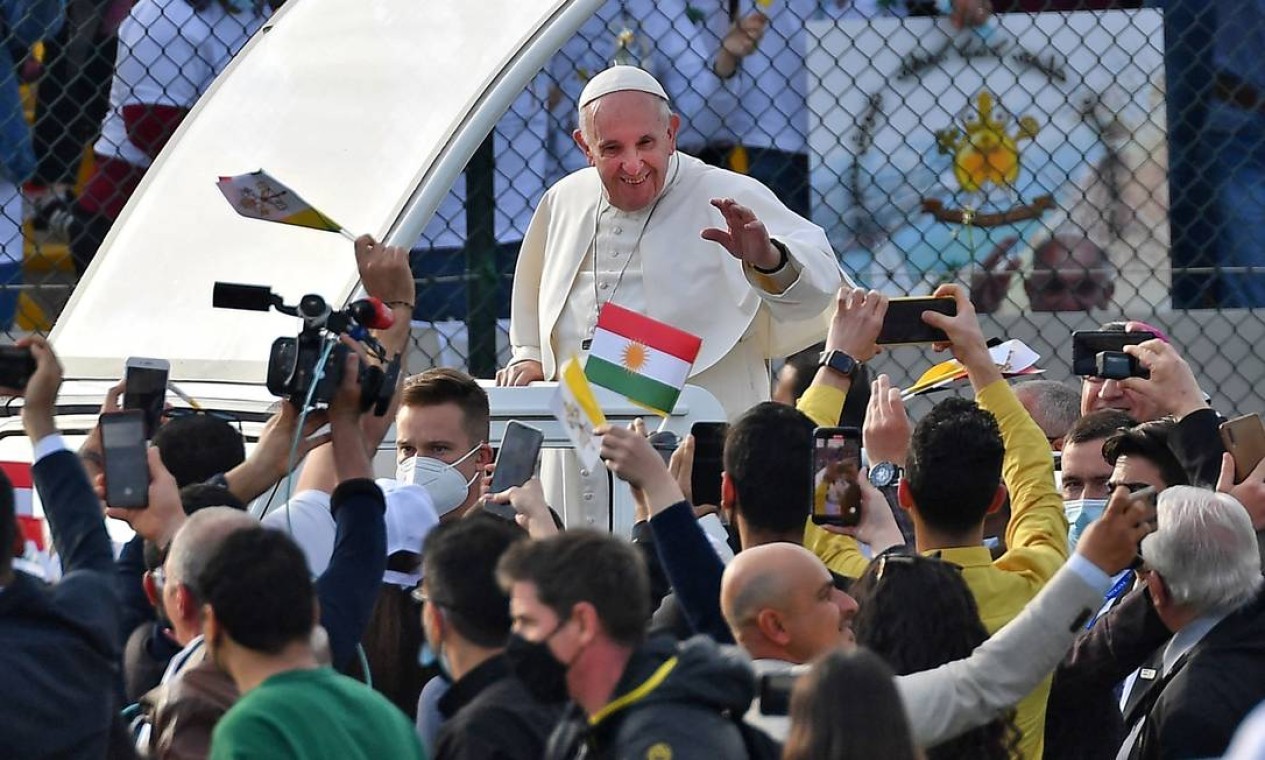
{"x": 709, "y": 450}
{"x": 126, "y": 465}
{"x": 515, "y": 463}
{"x": 903, "y": 325}
{"x": 147, "y": 389}
{"x": 1088, "y": 344}
{"x": 1244, "y": 437}
{"x": 16, "y": 367}
{"x": 836, "y": 468}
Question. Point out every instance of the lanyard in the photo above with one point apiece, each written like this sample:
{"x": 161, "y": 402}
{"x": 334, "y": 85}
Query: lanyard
{"x": 1117, "y": 590}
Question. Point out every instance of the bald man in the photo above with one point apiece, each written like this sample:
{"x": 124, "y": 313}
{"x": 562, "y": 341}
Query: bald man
{"x": 782, "y": 605}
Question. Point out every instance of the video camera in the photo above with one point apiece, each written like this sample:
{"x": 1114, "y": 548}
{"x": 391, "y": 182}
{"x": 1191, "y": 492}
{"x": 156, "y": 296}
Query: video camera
{"x": 292, "y": 362}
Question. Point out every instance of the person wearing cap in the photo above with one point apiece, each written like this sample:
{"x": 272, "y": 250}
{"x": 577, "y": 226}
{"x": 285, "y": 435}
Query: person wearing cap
{"x": 703, "y": 249}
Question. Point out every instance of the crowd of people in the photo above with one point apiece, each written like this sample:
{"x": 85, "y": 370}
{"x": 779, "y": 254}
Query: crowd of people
{"x": 398, "y": 618}
{"x": 1034, "y": 572}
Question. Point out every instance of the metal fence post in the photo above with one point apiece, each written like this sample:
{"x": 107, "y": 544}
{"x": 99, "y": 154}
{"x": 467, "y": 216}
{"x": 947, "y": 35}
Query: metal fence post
{"x": 480, "y": 254}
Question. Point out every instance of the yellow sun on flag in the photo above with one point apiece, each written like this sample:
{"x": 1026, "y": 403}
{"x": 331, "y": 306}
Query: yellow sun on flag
{"x": 634, "y": 357}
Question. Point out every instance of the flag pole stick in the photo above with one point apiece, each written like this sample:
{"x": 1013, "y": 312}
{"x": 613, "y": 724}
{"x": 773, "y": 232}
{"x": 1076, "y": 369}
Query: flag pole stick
{"x": 663, "y": 424}
{"x": 347, "y": 234}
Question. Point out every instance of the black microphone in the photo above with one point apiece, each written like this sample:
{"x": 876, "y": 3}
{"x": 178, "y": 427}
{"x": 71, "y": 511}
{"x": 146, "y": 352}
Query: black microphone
{"x": 229, "y": 295}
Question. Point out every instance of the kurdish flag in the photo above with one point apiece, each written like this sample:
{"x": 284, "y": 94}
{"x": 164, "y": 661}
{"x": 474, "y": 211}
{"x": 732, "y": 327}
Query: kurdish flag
{"x": 258, "y": 196}
{"x": 645, "y": 360}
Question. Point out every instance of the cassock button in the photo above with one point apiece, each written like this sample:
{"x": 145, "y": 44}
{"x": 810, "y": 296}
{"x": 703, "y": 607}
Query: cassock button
{"x": 588, "y": 497}
{"x": 604, "y": 285}
{"x": 618, "y": 230}
{"x": 584, "y": 473}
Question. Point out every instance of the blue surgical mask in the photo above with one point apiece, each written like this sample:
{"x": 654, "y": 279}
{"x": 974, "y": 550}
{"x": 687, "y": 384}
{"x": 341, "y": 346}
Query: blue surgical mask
{"x": 427, "y": 657}
{"x": 1080, "y": 513}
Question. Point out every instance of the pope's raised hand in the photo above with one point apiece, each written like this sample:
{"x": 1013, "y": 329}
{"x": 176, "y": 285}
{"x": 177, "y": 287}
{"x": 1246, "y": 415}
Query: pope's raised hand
{"x": 744, "y": 236}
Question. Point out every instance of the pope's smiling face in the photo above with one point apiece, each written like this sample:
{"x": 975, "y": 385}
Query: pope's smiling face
{"x": 629, "y": 136}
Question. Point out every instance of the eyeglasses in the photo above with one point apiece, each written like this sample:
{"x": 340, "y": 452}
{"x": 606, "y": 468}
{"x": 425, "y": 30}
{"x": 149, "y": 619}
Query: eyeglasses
{"x": 177, "y": 412}
{"x": 895, "y": 558}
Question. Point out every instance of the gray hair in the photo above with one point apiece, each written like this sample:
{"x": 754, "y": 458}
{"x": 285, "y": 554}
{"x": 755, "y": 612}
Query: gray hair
{"x": 1204, "y": 549}
{"x": 1053, "y": 405}
{"x": 588, "y": 115}
{"x": 199, "y": 539}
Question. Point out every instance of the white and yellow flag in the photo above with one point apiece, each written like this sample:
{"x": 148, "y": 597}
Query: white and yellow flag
{"x": 577, "y": 409}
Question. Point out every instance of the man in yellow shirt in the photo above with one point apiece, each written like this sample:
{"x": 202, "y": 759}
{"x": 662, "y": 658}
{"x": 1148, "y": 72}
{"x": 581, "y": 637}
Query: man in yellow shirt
{"x": 956, "y": 462}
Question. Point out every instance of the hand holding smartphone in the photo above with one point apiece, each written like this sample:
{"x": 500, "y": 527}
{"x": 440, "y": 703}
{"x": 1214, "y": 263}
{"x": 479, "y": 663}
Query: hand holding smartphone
{"x": 836, "y": 469}
{"x": 146, "y": 383}
{"x": 515, "y": 463}
{"x": 125, "y": 463}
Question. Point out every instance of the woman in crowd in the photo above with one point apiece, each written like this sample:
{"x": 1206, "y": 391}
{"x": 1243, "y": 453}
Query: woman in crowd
{"x": 917, "y": 614}
{"x": 846, "y": 708}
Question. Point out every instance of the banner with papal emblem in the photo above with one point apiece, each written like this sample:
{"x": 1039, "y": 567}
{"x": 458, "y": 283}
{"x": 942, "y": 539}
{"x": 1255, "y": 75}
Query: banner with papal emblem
{"x": 1032, "y": 147}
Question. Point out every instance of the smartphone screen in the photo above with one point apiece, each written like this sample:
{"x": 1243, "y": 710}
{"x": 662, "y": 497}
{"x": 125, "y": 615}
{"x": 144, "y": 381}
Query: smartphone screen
{"x": 903, "y": 323}
{"x": 836, "y": 467}
{"x": 1087, "y": 344}
{"x": 709, "y": 450}
{"x": 126, "y": 466}
{"x": 515, "y": 462}
{"x": 147, "y": 390}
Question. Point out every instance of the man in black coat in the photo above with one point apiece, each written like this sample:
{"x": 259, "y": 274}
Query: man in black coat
{"x": 59, "y": 647}
{"x": 1205, "y": 581}
{"x": 488, "y": 713}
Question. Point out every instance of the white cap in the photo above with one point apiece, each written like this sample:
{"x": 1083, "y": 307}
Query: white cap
{"x": 620, "y": 79}
{"x": 410, "y": 517}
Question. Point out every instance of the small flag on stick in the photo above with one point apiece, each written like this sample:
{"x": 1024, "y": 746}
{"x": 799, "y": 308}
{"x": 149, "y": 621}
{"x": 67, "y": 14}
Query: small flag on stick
{"x": 259, "y": 196}
{"x": 577, "y": 409}
{"x": 645, "y": 360}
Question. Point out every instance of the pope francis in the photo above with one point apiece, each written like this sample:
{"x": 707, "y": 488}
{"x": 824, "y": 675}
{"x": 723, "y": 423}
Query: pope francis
{"x": 703, "y": 249}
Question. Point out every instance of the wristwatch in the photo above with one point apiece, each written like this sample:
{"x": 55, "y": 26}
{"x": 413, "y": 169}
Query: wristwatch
{"x": 885, "y": 474}
{"x": 839, "y": 362}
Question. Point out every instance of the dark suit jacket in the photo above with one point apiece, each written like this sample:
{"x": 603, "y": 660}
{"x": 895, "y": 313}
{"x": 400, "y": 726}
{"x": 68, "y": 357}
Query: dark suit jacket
{"x": 59, "y": 647}
{"x": 1082, "y": 719}
{"x": 1194, "y": 712}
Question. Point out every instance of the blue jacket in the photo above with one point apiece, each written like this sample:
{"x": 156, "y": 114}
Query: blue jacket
{"x": 59, "y": 648}
{"x": 27, "y": 22}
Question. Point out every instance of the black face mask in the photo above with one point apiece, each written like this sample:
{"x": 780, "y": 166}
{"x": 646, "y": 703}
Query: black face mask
{"x": 537, "y": 668}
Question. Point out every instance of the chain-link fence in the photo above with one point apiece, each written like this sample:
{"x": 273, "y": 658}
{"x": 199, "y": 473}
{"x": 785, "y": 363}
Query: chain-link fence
{"x": 1071, "y": 161}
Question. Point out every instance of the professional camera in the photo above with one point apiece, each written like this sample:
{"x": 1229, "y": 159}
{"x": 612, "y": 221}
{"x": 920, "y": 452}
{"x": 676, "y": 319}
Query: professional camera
{"x": 292, "y": 362}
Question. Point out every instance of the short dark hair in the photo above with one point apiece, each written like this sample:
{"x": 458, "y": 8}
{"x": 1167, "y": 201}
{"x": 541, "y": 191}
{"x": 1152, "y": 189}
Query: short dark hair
{"x": 1149, "y": 441}
{"x": 805, "y": 366}
{"x": 8, "y": 525}
{"x": 194, "y": 447}
{"x": 202, "y": 495}
{"x": 768, "y": 455}
{"x": 1103, "y": 423}
{"x": 585, "y": 566}
{"x": 954, "y": 465}
{"x": 258, "y": 585}
{"x": 459, "y": 567}
{"x": 442, "y": 385}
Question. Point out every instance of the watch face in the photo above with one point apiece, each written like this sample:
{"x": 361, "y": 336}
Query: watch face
{"x": 840, "y": 362}
{"x": 882, "y": 474}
